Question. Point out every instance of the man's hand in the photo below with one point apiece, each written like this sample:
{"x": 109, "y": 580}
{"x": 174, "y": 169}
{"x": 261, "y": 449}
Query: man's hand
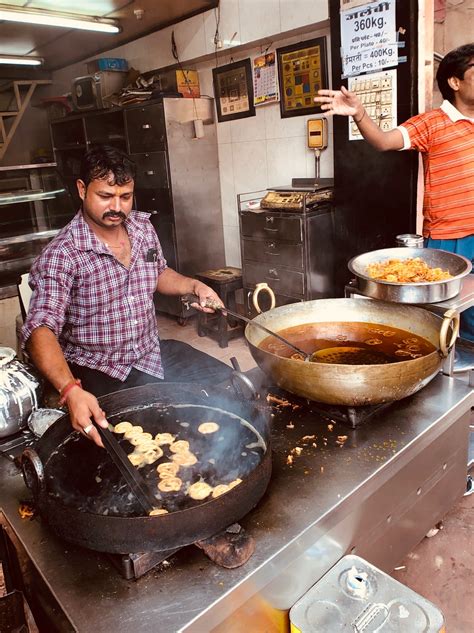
{"x": 341, "y": 102}
{"x": 205, "y": 295}
{"x": 82, "y": 407}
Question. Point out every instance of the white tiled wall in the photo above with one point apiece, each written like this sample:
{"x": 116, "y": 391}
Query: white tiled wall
{"x": 261, "y": 151}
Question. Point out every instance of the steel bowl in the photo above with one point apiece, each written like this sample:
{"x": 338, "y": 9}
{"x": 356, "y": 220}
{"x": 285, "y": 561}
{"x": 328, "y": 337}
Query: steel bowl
{"x": 420, "y": 292}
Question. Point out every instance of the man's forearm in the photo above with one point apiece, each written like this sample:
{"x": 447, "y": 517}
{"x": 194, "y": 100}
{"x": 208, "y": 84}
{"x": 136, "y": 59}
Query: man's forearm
{"x": 171, "y": 282}
{"x": 48, "y": 357}
{"x": 382, "y": 141}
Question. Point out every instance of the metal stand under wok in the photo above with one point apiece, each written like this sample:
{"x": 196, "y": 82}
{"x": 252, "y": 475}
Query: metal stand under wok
{"x": 230, "y": 548}
{"x": 461, "y": 357}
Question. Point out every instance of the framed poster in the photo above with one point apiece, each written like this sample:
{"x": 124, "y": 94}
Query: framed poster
{"x": 233, "y": 90}
{"x": 302, "y": 71}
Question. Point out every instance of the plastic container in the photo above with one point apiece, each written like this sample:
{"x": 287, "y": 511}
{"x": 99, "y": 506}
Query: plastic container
{"x": 356, "y": 597}
{"x": 107, "y": 63}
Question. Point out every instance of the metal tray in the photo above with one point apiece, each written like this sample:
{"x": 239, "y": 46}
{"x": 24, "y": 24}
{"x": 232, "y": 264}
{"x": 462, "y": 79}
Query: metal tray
{"x": 422, "y": 292}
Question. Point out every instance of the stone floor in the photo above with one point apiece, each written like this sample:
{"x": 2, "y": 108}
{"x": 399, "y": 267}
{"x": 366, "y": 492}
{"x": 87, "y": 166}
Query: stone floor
{"x": 440, "y": 568}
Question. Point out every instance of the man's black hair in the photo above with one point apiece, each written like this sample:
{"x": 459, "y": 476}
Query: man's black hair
{"x": 454, "y": 64}
{"x": 102, "y": 160}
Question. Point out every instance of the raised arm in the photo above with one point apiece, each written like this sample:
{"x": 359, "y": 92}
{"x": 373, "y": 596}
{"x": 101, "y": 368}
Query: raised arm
{"x": 347, "y": 103}
{"x": 48, "y": 357}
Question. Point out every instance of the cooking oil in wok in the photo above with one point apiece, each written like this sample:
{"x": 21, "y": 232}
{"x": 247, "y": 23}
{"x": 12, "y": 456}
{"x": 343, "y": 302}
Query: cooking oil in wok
{"x": 350, "y": 343}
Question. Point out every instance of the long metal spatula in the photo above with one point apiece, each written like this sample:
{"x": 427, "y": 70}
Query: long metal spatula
{"x": 189, "y": 299}
{"x": 131, "y": 475}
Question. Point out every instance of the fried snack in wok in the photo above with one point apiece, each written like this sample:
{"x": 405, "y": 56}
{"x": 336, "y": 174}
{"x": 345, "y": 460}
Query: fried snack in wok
{"x": 406, "y": 271}
{"x": 181, "y": 446}
{"x": 167, "y": 469}
{"x": 140, "y": 438}
{"x": 122, "y": 427}
{"x": 164, "y": 438}
{"x": 157, "y": 511}
{"x": 208, "y": 427}
{"x": 170, "y": 484}
{"x": 234, "y": 483}
{"x": 219, "y": 490}
{"x": 200, "y": 490}
{"x": 136, "y": 459}
{"x": 184, "y": 459}
{"x": 135, "y": 430}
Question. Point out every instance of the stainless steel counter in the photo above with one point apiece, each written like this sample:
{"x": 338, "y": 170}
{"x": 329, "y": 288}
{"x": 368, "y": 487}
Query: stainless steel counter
{"x": 376, "y": 495}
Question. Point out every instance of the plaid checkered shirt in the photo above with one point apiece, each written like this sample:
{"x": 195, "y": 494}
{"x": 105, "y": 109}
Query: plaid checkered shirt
{"x": 101, "y": 312}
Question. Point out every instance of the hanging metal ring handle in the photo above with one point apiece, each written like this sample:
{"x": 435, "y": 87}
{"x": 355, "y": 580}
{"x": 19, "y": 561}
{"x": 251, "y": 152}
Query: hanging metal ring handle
{"x": 263, "y": 287}
{"x": 451, "y": 317}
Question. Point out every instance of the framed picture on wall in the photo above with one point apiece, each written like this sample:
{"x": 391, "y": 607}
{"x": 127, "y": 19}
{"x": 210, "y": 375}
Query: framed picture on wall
{"x": 233, "y": 90}
{"x": 302, "y": 71}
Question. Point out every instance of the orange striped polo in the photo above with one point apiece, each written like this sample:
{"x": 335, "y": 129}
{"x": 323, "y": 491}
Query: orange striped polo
{"x": 445, "y": 137}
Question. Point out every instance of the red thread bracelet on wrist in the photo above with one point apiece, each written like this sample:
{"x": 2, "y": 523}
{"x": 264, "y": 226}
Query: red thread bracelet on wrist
{"x": 67, "y": 388}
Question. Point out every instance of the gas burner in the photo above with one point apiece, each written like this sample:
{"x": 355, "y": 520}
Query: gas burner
{"x": 229, "y": 548}
{"x": 350, "y": 416}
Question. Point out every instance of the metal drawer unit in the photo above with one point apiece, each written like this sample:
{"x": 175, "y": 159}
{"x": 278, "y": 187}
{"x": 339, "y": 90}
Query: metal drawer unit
{"x": 293, "y": 252}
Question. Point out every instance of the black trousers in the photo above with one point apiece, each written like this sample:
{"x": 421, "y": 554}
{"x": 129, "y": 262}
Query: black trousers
{"x": 181, "y": 363}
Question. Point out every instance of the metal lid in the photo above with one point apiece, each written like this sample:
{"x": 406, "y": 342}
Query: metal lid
{"x": 410, "y": 239}
{"x": 356, "y": 595}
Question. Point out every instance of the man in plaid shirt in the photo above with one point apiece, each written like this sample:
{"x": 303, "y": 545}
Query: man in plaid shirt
{"x": 91, "y": 316}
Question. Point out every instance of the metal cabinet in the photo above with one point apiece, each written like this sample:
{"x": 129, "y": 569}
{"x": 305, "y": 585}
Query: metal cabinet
{"x": 177, "y": 179}
{"x": 293, "y": 252}
{"x": 34, "y": 206}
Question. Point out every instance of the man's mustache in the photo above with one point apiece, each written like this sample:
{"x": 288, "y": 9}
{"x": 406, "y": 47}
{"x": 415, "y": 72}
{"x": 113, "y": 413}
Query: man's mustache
{"x": 114, "y": 214}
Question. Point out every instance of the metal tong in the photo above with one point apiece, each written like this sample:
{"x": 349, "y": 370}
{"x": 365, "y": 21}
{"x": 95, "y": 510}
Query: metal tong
{"x": 131, "y": 475}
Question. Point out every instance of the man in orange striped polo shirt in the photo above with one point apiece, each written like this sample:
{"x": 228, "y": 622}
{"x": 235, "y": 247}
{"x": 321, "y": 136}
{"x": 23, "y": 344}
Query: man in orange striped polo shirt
{"x": 445, "y": 137}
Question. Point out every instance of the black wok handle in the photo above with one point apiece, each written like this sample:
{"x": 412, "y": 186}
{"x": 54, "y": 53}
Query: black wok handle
{"x": 33, "y": 472}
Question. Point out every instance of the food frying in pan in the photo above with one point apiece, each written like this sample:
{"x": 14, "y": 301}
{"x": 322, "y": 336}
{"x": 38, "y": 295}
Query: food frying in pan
{"x": 164, "y": 438}
{"x": 208, "y": 427}
{"x": 200, "y": 490}
{"x": 181, "y": 446}
{"x": 157, "y": 511}
{"x": 414, "y": 270}
{"x": 167, "y": 469}
{"x": 122, "y": 427}
{"x": 184, "y": 459}
{"x": 170, "y": 484}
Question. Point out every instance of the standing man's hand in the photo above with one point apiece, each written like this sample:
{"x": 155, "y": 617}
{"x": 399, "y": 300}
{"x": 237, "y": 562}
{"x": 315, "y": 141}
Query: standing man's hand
{"x": 82, "y": 407}
{"x": 341, "y": 102}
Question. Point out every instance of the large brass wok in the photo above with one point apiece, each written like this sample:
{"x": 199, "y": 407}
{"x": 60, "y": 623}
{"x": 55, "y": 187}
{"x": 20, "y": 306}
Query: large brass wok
{"x": 354, "y": 385}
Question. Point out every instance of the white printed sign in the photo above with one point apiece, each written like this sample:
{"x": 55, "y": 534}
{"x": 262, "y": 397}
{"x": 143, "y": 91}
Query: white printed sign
{"x": 368, "y": 39}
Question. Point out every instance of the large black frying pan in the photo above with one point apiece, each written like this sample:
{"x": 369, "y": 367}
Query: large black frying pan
{"x": 83, "y": 497}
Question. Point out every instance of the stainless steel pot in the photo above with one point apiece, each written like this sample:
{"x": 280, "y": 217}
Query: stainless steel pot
{"x": 422, "y": 292}
{"x": 354, "y": 385}
{"x": 19, "y": 392}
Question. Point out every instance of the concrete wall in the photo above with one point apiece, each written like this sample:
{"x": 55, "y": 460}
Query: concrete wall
{"x": 453, "y": 27}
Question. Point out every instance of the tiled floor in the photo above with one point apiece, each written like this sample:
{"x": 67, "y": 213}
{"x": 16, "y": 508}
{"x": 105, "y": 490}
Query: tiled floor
{"x": 439, "y": 568}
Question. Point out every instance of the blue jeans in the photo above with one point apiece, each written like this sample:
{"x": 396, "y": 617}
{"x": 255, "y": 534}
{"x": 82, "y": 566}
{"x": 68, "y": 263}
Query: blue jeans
{"x": 461, "y": 246}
